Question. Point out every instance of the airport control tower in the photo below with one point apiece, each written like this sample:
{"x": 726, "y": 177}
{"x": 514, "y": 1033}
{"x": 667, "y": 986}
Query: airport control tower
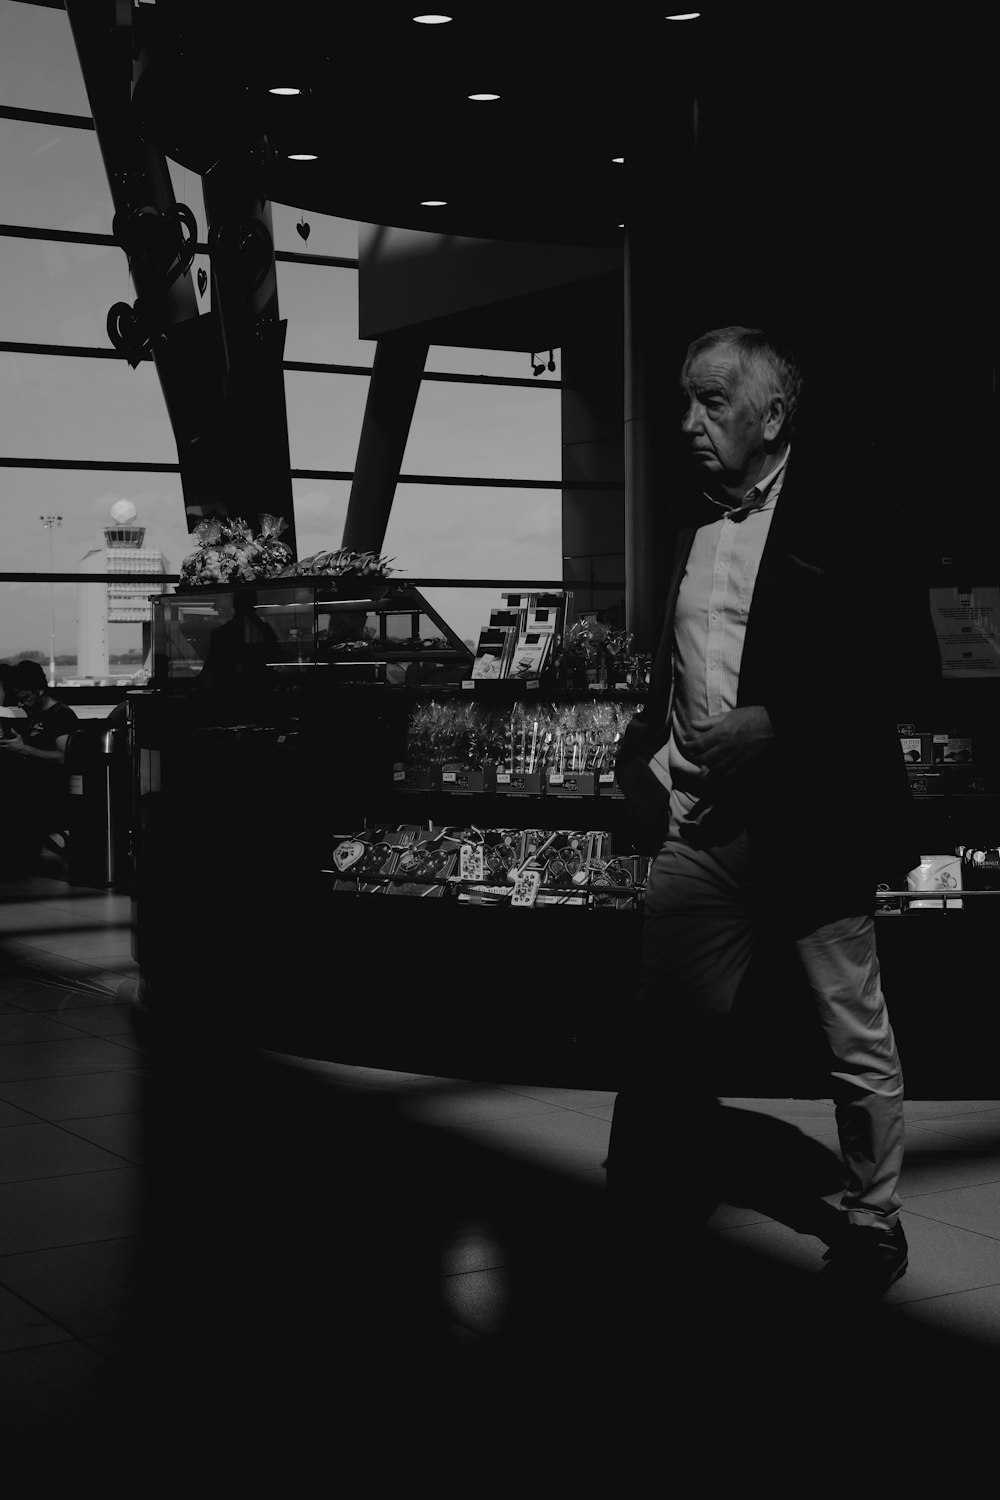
{"x": 102, "y": 604}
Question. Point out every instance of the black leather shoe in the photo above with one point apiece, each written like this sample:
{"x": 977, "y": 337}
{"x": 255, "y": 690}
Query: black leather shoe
{"x": 865, "y": 1261}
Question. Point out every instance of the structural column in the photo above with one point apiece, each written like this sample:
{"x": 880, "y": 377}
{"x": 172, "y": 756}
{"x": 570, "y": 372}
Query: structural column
{"x": 661, "y": 237}
{"x": 253, "y": 417}
{"x": 392, "y": 396}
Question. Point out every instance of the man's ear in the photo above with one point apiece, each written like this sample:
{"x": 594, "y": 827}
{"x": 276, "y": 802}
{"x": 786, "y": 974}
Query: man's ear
{"x": 774, "y": 419}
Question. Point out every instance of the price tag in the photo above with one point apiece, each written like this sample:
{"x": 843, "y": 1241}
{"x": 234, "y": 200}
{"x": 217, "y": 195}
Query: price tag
{"x": 447, "y": 775}
{"x": 503, "y": 778}
{"x": 468, "y": 683}
{"x": 556, "y": 778}
{"x": 606, "y": 777}
{"x": 399, "y": 775}
{"x": 531, "y": 684}
{"x": 526, "y": 888}
{"x": 470, "y": 862}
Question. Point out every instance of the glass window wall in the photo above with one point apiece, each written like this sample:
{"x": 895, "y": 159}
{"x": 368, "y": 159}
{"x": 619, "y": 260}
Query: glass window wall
{"x": 65, "y": 408}
{"x": 39, "y": 68}
{"x": 56, "y": 406}
{"x": 53, "y": 178}
{"x": 446, "y": 531}
{"x": 507, "y": 432}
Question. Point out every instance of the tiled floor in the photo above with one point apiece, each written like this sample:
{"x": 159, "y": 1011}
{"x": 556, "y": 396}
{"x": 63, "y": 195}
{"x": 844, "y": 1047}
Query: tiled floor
{"x": 290, "y": 1257}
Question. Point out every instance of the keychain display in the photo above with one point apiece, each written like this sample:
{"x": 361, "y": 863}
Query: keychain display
{"x": 427, "y": 867}
{"x": 361, "y": 858}
{"x": 619, "y": 883}
{"x": 566, "y": 866}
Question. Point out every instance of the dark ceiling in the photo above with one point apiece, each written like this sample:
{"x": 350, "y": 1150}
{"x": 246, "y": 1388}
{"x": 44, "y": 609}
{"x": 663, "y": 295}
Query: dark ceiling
{"x": 824, "y": 171}
{"x": 822, "y": 114}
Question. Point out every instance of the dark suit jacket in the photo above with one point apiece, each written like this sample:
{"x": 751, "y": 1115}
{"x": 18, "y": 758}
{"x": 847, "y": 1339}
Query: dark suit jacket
{"x": 839, "y": 647}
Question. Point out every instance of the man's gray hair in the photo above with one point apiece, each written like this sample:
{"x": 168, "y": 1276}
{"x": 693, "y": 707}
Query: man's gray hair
{"x": 769, "y": 367}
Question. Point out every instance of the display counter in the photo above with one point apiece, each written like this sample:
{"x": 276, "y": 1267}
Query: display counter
{"x": 441, "y": 877}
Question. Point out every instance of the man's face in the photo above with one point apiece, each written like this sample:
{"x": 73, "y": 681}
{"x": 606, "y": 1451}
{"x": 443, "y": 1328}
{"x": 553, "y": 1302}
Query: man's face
{"x": 724, "y": 432}
{"x": 29, "y": 699}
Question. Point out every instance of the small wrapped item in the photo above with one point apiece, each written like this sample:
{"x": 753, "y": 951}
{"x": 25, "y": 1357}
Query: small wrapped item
{"x": 583, "y": 661}
{"x": 273, "y": 555}
{"x": 980, "y": 872}
{"x": 428, "y": 858}
{"x": 936, "y": 872}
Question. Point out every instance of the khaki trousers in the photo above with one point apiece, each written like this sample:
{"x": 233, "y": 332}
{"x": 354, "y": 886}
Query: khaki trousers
{"x": 702, "y": 913}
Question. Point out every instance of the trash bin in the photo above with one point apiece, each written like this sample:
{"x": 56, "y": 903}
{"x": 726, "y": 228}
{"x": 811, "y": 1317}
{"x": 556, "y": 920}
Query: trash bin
{"x": 97, "y": 770}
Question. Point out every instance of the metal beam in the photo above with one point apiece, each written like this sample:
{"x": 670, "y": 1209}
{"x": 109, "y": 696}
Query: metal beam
{"x": 149, "y": 225}
{"x": 392, "y": 396}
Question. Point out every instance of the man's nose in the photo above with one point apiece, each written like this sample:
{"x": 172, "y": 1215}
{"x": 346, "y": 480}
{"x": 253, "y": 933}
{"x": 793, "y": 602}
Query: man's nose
{"x": 691, "y": 421}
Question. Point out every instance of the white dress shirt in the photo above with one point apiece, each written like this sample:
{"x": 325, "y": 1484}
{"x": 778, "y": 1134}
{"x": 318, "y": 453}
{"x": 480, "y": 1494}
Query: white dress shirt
{"x": 709, "y": 630}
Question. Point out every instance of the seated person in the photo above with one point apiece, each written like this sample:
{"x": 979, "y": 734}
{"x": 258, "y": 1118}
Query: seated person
{"x": 9, "y": 706}
{"x": 32, "y": 755}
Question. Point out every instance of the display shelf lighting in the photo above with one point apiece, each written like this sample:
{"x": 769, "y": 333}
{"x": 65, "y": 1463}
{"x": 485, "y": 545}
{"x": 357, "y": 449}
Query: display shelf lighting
{"x": 431, "y": 20}
{"x": 288, "y": 91}
{"x": 684, "y": 15}
{"x": 302, "y": 156}
{"x": 433, "y": 203}
{"x": 484, "y": 96}
{"x": 618, "y": 160}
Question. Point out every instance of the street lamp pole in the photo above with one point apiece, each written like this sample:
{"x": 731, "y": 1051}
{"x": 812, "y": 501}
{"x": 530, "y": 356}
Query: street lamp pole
{"x": 49, "y": 522}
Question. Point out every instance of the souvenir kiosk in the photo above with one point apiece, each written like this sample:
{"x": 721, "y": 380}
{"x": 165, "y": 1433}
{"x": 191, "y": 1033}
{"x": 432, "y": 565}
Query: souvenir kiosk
{"x": 349, "y": 843}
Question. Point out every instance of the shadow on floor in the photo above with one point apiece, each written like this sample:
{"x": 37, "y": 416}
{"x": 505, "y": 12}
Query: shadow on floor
{"x": 297, "y": 1300}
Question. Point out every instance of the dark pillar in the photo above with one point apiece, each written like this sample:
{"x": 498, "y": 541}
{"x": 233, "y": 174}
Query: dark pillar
{"x": 644, "y": 538}
{"x": 256, "y": 477}
{"x": 157, "y": 234}
{"x": 661, "y": 273}
{"x": 593, "y": 525}
{"x": 392, "y": 395}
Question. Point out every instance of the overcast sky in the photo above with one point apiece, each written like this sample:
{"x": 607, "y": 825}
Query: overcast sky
{"x": 68, "y": 407}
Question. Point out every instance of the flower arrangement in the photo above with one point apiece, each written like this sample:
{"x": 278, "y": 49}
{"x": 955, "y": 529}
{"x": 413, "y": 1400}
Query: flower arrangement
{"x": 343, "y": 562}
{"x": 228, "y": 552}
{"x": 594, "y": 655}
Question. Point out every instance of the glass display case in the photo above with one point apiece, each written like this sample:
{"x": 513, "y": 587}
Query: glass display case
{"x": 368, "y": 631}
{"x": 330, "y": 864}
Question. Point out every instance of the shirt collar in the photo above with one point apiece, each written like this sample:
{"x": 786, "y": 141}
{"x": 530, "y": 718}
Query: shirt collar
{"x": 757, "y": 496}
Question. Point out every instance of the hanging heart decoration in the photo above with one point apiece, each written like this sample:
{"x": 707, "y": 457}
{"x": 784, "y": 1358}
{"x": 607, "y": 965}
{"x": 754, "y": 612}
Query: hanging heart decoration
{"x": 244, "y": 250}
{"x": 163, "y": 242}
{"x": 128, "y": 332}
{"x": 181, "y": 218}
{"x": 202, "y": 280}
{"x": 302, "y": 230}
{"x": 347, "y": 854}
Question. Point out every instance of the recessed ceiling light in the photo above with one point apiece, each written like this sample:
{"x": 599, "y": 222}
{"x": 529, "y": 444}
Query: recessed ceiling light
{"x": 684, "y": 15}
{"x": 433, "y": 202}
{"x": 432, "y": 20}
{"x": 618, "y": 159}
{"x": 302, "y": 156}
{"x": 284, "y": 91}
{"x": 484, "y": 96}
